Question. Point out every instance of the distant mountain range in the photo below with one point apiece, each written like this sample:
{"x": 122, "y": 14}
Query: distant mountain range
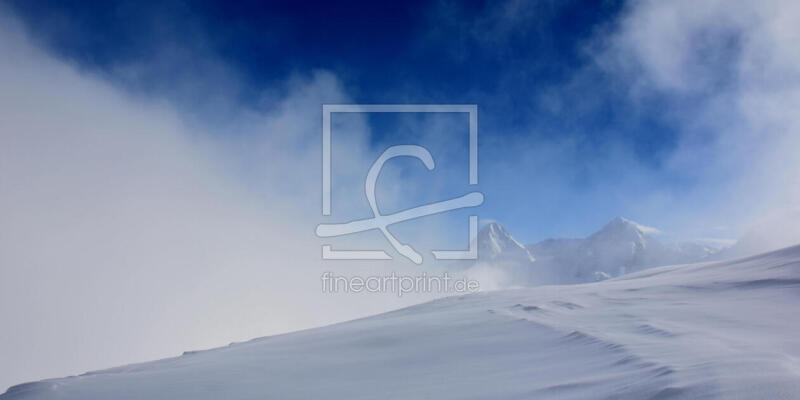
{"x": 621, "y": 246}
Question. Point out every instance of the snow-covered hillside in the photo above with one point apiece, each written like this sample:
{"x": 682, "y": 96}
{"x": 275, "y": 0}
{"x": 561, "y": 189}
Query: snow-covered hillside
{"x": 721, "y": 330}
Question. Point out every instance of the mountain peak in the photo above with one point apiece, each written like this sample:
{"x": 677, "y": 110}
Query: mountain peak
{"x": 621, "y": 246}
{"x": 621, "y": 220}
{"x": 494, "y": 228}
{"x": 494, "y": 241}
{"x": 494, "y": 232}
{"x": 621, "y": 224}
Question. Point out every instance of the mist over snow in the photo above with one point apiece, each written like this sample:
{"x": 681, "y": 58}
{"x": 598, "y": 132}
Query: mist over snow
{"x": 160, "y": 185}
{"x": 714, "y": 330}
{"x": 619, "y": 247}
{"x": 129, "y": 234}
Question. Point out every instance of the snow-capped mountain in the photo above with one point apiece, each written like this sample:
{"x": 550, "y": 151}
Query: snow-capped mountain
{"x": 504, "y": 258}
{"x": 496, "y": 244}
{"x": 713, "y": 331}
{"x": 621, "y": 246}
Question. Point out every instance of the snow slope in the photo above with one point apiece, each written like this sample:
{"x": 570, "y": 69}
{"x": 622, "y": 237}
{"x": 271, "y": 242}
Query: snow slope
{"x": 771, "y": 232}
{"x": 723, "y": 330}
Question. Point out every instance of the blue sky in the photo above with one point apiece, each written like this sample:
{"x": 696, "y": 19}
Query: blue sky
{"x": 570, "y": 136}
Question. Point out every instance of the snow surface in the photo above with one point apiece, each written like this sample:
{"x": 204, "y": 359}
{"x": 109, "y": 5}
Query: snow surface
{"x": 723, "y": 330}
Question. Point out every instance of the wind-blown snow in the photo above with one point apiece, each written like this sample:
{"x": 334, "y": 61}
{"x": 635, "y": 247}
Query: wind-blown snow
{"x": 721, "y": 330}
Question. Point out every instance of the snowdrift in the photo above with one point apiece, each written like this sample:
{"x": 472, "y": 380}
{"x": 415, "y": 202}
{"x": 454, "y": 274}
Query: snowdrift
{"x": 722, "y": 330}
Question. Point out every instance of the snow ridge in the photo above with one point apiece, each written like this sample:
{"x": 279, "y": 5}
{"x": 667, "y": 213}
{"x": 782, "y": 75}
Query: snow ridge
{"x": 713, "y": 330}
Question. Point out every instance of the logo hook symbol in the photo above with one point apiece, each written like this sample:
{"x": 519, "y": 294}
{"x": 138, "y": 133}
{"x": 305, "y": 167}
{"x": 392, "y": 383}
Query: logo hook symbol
{"x": 382, "y": 222}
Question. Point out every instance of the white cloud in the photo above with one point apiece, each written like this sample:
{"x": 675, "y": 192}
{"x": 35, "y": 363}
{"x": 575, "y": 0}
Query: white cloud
{"x": 732, "y": 72}
{"x": 128, "y": 234}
